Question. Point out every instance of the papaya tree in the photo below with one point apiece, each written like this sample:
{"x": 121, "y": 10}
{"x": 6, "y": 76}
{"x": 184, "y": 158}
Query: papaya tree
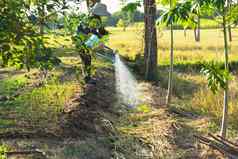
{"x": 221, "y": 7}
{"x": 229, "y": 5}
{"x": 178, "y": 13}
{"x": 170, "y": 23}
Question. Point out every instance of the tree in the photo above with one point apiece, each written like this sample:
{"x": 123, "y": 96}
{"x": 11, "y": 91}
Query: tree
{"x": 197, "y": 30}
{"x": 184, "y": 10}
{"x": 170, "y": 85}
{"x": 221, "y": 6}
{"x": 177, "y": 13}
{"x": 20, "y": 44}
{"x": 229, "y": 4}
{"x": 170, "y": 23}
{"x": 14, "y": 31}
{"x": 150, "y": 38}
{"x": 121, "y": 23}
{"x": 44, "y": 10}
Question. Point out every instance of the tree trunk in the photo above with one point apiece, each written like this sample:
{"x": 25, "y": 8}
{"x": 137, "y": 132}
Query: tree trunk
{"x": 230, "y": 33}
{"x": 197, "y": 30}
{"x": 41, "y": 10}
{"x": 170, "y": 85}
{"x": 225, "y": 106}
{"x": 150, "y": 50}
{"x": 229, "y": 26}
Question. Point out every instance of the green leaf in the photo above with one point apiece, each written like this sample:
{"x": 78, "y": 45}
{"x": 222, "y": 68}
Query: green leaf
{"x": 216, "y": 77}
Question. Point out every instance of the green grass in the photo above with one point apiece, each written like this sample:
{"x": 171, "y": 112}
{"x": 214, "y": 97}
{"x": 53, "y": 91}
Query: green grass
{"x": 36, "y": 105}
{"x": 3, "y": 150}
{"x": 42, "y": 105}
{"x": 10, "y": 85}
{"x": 39, "y": 106}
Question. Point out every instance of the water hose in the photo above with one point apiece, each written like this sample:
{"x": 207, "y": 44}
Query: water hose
{"x": 110, "y": 56}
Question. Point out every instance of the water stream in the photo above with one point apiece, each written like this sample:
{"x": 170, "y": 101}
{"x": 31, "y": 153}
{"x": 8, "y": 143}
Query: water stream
{"x": 127, "y": 86}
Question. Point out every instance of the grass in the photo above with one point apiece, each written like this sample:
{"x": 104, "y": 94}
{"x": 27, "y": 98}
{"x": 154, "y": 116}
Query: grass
{"x": 36, "y": 107}
{"x": 39, "y": 107}
{"x": 10, "y": 85}
{"x": 3, "y": 150}
{"x": 33, "y": 104}
{"x": 130, "y": 43}
{"x": 190, "y": 89}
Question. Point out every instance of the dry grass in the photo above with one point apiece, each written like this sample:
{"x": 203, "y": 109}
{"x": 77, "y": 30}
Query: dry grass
{"x": 130, "y": 43}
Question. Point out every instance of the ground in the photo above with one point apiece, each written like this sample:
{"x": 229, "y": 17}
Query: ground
{"x": 65, "y": 119}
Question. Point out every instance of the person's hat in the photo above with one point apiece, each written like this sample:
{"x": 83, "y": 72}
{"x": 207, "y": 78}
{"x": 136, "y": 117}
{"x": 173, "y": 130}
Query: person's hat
{"x": 100, "y": 10}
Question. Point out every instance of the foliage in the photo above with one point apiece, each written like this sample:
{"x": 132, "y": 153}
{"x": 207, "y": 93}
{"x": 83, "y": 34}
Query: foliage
{"x": 45, "y": 60}
{"x": 166, "y": 2}
{"x": 217, "y": 77}
{"x": 12, "y": 14}
{"x": 131, "y": 7}
{"x": 3, "y": 150}
{"x": 233, "y": 15}
{"x": 80, "y": 38}
{"x": 42, "y": 12}
{"x": 136, "y": 16}
{"x": 9, "y": 86}
{"x": 143, "y": 108}
{"x": 181, "y": 13}
{"x": 121, "y": 23}
{"x": 71, "y": 22}
{"x": 129, "y": 11}
{"x": 20, "y": 44}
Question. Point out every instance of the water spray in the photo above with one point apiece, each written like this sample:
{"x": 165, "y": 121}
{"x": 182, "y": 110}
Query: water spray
{"x": 126, "y": 84}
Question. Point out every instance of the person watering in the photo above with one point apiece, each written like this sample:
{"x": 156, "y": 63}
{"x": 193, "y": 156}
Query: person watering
{"x": 90, "y": 35}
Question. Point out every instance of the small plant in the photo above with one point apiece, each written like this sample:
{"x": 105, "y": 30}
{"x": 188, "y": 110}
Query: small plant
{"x": 3, "y": 150}
{"x": 46, "y": 61}
{"x": 143, "y": 108}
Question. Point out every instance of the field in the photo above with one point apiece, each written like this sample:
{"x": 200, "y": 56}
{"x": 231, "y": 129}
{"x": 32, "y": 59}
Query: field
{"x": 130, "y": 43}
{"x": 65, "y": 119}
{"x": 190, "y": 90}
